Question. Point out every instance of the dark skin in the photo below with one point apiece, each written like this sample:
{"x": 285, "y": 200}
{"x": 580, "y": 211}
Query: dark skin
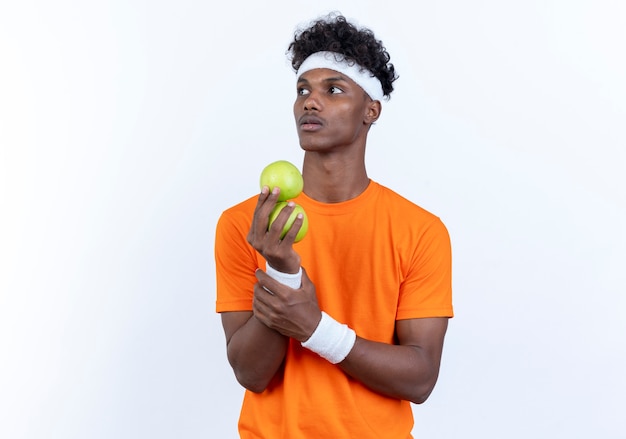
{"x": 333, "y": 116}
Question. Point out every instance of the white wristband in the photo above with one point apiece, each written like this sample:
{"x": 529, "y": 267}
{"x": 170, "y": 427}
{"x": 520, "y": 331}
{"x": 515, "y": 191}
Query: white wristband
{"x": 331, "y": 339}
{"x": 292, "y": 280}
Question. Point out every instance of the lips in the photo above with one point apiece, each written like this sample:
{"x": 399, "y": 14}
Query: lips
{"x": 310, "y": 123}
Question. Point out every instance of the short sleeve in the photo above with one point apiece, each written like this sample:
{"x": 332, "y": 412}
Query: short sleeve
{"x": 426, "y": 290}
{"x": 235, "y": 262}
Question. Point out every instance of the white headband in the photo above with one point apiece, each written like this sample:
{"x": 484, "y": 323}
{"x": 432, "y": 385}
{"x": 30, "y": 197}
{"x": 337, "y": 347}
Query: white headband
{"x": 337, "y": 62}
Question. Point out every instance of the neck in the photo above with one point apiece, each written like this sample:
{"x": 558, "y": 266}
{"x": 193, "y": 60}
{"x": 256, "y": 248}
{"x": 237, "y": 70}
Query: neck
{"x": 333, "y": 178}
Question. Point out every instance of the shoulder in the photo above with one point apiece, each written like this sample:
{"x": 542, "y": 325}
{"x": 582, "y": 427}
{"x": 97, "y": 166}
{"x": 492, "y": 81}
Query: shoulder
{"x": 245, "y": 207}
{"x": 416, "y": 225}
{"x": 402, "y": 207}
{"x": 238, "y": 215}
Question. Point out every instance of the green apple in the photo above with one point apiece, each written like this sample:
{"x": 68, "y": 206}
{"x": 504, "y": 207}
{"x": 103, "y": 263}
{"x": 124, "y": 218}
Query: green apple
{"x": 296, "y": 210}
{"x": 284, "y": 175}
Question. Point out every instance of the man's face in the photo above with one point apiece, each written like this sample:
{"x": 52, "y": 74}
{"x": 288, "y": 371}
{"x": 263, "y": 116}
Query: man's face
{"x": 331, "y": 110}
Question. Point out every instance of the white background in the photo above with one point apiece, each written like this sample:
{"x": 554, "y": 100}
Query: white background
{"x": 126, "y": 127}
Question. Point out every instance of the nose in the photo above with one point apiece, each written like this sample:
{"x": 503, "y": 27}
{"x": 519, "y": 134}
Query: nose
{"x": 312, "y": 102}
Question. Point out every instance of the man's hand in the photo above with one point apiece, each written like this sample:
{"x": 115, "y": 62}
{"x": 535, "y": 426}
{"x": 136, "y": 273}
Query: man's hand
{"x": 294, "y": 313}
{"x": 279, "y": 253}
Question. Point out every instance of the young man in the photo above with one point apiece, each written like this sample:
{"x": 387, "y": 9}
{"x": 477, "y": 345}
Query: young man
{"x": 336, "y": 335}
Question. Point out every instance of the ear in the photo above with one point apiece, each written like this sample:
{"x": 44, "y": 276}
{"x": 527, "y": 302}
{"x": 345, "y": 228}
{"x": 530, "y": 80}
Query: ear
{"x": 372, "y": 112}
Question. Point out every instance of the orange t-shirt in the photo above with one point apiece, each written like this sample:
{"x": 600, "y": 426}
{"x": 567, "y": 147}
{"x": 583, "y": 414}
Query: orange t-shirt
{"x": 374, "y": 259}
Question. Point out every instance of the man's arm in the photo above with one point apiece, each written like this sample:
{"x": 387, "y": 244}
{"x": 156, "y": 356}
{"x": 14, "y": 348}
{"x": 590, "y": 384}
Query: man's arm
{"x": 255, "y": 352}
{"x": 407, "y": 371}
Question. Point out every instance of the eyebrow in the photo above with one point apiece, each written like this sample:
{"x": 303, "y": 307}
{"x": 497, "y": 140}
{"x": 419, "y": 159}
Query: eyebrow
{"x": 331, "y": 79}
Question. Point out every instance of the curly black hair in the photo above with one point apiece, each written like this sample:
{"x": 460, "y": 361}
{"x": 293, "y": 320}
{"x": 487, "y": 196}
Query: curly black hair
{"x": 335, "y": 34}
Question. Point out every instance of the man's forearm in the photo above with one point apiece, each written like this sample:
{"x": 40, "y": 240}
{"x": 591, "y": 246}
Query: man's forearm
{"x": 402, "y": 372}
{"x": 255, "y": 353}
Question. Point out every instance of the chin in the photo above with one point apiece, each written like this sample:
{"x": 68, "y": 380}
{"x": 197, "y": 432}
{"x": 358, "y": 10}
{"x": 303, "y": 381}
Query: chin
{"x": 312, "y": 144}
{"x": 308, "y": 145}
{"x": 314, "y": 148}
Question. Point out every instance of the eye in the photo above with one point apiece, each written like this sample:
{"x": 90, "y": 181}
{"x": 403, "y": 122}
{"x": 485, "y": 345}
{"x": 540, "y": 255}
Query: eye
{"x": 303, "y": 92}
{"x": 335, "y": 90}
